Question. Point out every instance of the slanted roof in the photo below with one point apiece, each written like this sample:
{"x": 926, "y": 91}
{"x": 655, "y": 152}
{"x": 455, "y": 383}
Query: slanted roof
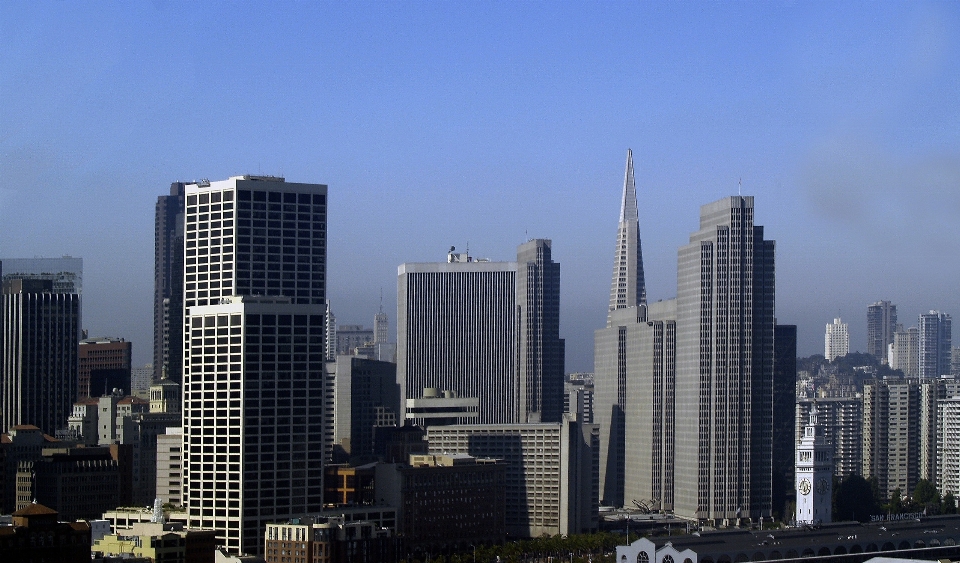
{"x": 34, "y": 509}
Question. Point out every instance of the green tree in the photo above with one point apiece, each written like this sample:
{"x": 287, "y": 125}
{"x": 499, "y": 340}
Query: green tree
{"x": 925, "y": 493}
{"x": 949, "y": 504}
{"x": 895, "y": 504}
{"x": 853, "y": 500}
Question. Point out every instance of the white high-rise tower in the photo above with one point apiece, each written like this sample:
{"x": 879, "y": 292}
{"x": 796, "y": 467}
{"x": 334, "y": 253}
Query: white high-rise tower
{"x": 836, "y": 340}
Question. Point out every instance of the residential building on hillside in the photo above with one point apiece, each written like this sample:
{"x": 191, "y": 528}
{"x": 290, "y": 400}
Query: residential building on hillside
{"x": 934, "y": 336}
{"x": 881, "y": 326}
{"x": 836, "y": 340}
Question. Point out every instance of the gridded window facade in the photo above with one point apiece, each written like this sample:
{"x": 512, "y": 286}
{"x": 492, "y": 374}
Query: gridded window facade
{"x": 253, "y": 417}
{"x": 254, "y": 340}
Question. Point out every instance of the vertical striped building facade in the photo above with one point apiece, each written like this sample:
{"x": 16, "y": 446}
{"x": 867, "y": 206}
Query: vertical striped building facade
{"x": 489, "y": 330}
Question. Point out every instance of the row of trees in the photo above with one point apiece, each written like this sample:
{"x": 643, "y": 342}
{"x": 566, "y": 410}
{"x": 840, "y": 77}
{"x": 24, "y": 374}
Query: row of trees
{"x": 856, "y": 498}
{"x": 578, "y": 548}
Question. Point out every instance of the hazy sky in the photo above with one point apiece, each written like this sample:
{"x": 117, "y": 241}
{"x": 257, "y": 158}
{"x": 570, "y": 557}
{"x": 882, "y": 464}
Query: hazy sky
{"x": 484, "y": 123}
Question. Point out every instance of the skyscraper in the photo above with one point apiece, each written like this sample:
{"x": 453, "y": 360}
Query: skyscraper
{"x": 724, "y": 373}
{"x": 168, "y": 284}
{"x": 934, "y": 344}
{"x": 381, "y": 326}
{"x": 254, "y": 298}
{"x": 881, "y": 326}
{"x": 634, "y": 375}
{"x": 41, "y": 329}
{"x": 836, "y": 340}
{"x": 459, "y": 329}
{"x": 541, "y": 348}
{"x": 65, "y": 273}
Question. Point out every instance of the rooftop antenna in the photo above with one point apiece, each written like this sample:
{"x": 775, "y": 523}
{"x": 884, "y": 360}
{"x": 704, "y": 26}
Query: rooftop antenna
{"x": 381, "y": 299}
{"x": 740, "y": 186}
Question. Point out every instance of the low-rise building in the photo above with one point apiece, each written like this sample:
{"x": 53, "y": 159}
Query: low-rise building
{"x": 79, "y": 482}
{"x": 37, "y": 535}
{"x": 159, "y": 542}
{"x": 552, "y": 471}
{"x": 445, "y": 500}
{"x": 328, "y": 540}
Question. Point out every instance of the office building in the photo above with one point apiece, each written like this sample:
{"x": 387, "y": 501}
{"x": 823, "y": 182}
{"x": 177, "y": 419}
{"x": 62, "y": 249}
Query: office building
{"x": 578, "y": 396}
{"x": 165, "y": 397}
{"x": 541, "y": 349}
{"x": 470, "y": 327}
{"x": 635, "y": 374}
{"x": 366, "y": 397}
{"x": 934, "y": 344}
{"x": 351, "y": 336}
{"x": 168, "y": 284}
{"x": 268, "y": 429}
{"x": 104, "y": 366}
{"x": 724, "y": 367}
{"x": 784, "y": 411}
{"x": 254, "y": 298}
{"x": 65, "y": 274}
{"x": 169, "y": 471}
{"x": 441, "y": 407}
{"x": 881, "y": 326}
{"x": 836, "y": 340}
{"x": 955, "y": 361}
{"x": 140, "y": 380}
{"x": 616, "y": 361}
{"x": 904, "y": 353}
{"x": 445, "y": 500}
{"x": 381, "y": 325}
{"x": 78, "y": 482}
{"x": 551, "y": 477}
{"x": 41, "y": 329}
{"x": 840, "y": 422}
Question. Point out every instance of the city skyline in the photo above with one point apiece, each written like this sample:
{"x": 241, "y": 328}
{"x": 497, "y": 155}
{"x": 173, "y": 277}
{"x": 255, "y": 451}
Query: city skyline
{"x": 447, "y": 126}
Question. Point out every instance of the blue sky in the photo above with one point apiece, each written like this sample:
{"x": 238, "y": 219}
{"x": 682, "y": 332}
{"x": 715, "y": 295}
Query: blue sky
{"x": 486, "y": 123}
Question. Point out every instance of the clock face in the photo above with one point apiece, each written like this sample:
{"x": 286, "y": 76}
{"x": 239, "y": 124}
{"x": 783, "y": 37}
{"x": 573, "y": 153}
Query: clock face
{"x": 822, "y": 486}
{"x": 805, "y": 487}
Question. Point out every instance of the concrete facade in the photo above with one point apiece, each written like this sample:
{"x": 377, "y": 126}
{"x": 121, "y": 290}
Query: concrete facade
{"x": 552, "y": 482}
{"x": 725, "y": 354}
{"x": 836, "y": 340}
{"x": 486, "y": 330}
{"x": 881, "y": 326}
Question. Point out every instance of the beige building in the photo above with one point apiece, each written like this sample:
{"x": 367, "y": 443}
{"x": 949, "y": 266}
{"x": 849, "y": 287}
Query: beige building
{"x": 551, "y": 480}
{"x": 836, "y": 340}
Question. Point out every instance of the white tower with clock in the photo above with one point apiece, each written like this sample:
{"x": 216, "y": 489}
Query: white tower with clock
{"x": 814, "y": 472}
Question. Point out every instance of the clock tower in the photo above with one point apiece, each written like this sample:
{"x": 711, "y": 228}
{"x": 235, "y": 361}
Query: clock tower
{"x": 814, "y": 472}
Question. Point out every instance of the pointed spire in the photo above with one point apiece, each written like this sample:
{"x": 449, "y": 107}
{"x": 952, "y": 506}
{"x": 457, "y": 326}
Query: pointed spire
{"x": 628, "y": 207}
{"x": 628, "y": 288}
